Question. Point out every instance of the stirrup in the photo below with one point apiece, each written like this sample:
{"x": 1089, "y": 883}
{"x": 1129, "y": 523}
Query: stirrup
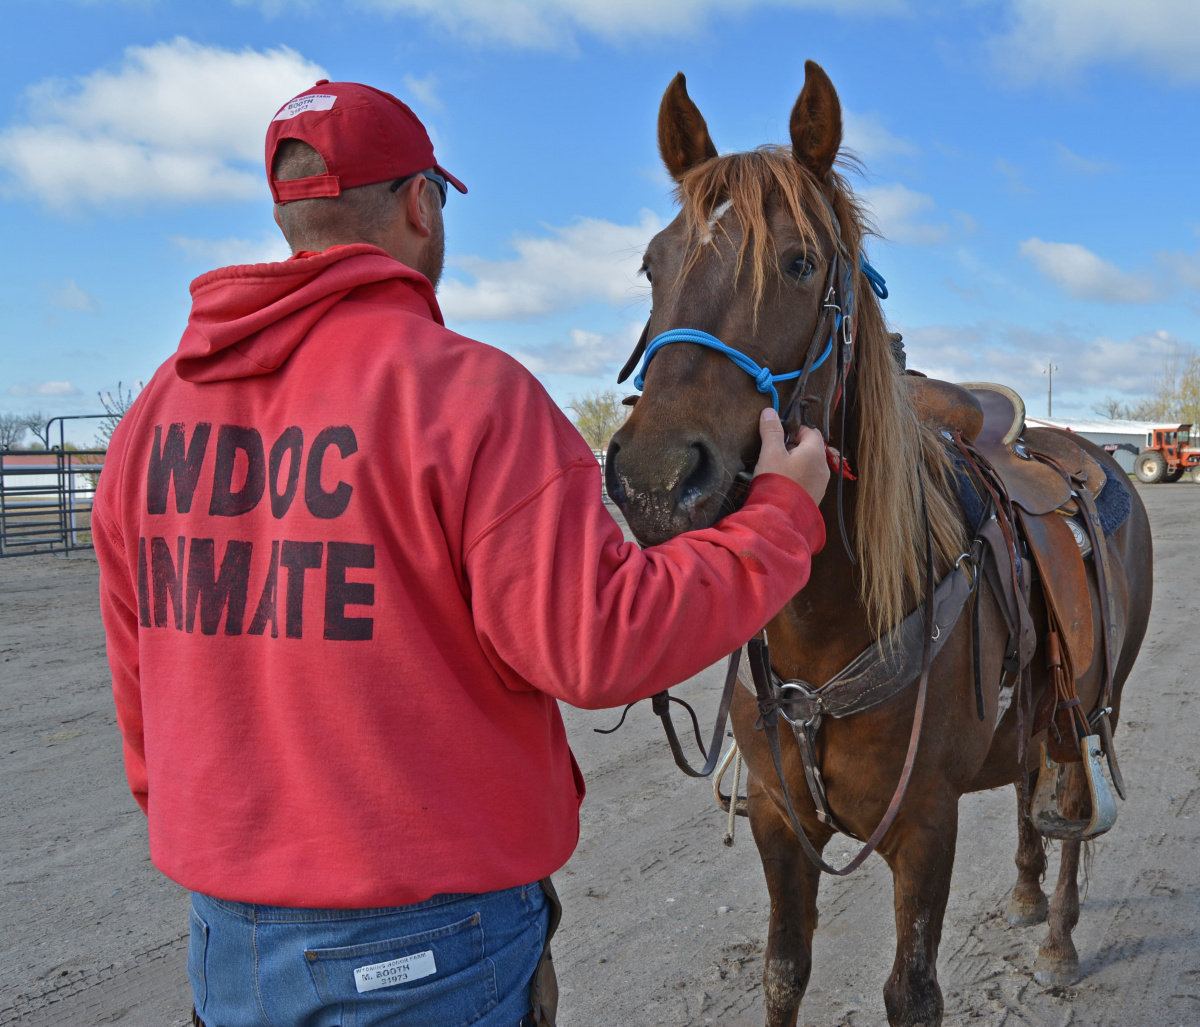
{"x": 1046, "y": 808}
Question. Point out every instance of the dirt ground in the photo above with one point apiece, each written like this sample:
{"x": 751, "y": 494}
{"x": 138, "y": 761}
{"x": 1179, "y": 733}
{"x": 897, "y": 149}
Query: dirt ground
{"x": 663, "y": 924}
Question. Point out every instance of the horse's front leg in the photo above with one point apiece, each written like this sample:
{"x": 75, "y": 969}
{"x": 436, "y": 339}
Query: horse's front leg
{"x": 792, "y": 882}
{"x": 920, "y": 851}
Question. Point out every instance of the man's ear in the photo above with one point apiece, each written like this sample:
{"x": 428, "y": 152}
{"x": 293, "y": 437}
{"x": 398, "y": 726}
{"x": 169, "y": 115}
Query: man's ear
{"x": 417, "y": 196}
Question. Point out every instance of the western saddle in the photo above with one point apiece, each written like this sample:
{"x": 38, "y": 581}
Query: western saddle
{"x": 1035, "y": 486}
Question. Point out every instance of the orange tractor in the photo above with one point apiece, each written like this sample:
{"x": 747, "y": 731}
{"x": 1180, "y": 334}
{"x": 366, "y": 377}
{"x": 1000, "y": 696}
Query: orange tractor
{"x": 1167, "y": 454}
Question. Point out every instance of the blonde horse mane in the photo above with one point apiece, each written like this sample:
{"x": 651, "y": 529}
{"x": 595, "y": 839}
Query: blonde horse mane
{"x": 889, "y": 535}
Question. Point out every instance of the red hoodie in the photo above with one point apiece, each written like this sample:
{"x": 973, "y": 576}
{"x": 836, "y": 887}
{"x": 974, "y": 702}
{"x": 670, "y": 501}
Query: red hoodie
{"x": 349, "y": 560}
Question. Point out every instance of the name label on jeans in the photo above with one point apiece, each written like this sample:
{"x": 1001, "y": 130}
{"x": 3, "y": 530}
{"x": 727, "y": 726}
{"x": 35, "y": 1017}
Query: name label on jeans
{"x": 394, "y": 971}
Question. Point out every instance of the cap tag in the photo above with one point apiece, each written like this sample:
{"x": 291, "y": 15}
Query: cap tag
{"x": 311, "y": 102}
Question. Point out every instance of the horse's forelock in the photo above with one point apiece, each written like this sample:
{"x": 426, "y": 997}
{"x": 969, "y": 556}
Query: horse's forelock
{"x": 745, "y": 181}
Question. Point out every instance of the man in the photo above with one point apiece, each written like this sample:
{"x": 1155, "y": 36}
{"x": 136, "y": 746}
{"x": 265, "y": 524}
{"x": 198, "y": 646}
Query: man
{"x": 349, "y": 562}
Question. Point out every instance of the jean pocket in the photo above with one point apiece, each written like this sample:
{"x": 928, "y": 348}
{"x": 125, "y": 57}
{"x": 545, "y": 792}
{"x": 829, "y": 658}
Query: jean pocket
{"x": 436, "y": 977}
{"x": 196, "y": 959}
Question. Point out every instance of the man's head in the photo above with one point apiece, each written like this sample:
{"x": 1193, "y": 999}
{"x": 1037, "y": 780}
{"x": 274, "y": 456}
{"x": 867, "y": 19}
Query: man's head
{"x": 403, "y": 217}
{"x": 348, "y": 163}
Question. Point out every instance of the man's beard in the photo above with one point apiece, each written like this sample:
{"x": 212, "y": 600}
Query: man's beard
{"x": 433, "y": 258}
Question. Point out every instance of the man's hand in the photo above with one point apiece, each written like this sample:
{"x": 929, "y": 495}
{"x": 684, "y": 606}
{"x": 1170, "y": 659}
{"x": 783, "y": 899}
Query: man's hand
{"x": 804, "y": 463}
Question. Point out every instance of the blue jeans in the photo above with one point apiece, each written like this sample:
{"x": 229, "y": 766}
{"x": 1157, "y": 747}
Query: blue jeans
{"x": 448, "y": 962}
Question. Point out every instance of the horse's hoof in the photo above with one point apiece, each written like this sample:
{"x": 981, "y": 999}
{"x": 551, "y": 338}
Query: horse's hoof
{"x": 1024, "y": 913}
{"x": 1055, "y": 971}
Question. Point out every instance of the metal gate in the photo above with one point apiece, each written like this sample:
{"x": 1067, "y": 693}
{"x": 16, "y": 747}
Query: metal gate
{"x": 46, "y": 496}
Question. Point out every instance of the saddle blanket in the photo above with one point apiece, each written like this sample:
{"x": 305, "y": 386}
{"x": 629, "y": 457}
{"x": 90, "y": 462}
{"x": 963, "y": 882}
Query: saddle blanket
{"x": 1112, "y": 504}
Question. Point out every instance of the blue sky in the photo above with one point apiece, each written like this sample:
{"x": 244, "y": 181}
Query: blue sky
{"x": 1032, "y": 164}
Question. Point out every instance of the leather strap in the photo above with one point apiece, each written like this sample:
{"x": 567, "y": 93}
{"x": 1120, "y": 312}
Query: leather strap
{"x": 806, "y": 739}
{"x": 760, "y": 668}
{"x": 874, "y": 676}
{"x": 977, "y": 656}
{"x": 661, "y": 704}
{"x": 1100, "y": 561}
{"x": 1006, "y": 521}
{"x": 632, "y": 363}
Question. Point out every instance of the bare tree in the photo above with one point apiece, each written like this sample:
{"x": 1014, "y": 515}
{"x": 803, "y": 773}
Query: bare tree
{"x": 598, "y": 415}
{"x": 1176, "y": 398}
{"x": 1110, "y": 407}
{"x": 1176, "y": 395}
{"x": 38, "y": 428}
{"x": 1189, "y": 389}
{"x": 12, "y": 430}
{"x": 116, "y": 406}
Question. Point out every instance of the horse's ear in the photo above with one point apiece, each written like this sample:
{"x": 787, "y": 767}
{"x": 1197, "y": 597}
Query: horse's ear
{"x": 683, "y": 138}
{"x": 816, "y": 122}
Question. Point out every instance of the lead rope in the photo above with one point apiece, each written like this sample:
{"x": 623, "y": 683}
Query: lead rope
{"x": 733, "y": 795}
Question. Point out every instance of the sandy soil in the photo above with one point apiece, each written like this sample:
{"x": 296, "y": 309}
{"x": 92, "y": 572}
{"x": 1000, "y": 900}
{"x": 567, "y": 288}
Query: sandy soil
{"x": 90, "y": 933}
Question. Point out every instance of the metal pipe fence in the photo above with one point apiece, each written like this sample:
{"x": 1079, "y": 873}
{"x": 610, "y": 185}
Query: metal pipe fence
{"x": 46, "y": 496}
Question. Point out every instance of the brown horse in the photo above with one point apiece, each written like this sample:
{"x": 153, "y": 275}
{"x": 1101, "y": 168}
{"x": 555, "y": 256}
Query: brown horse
{"x": 745, "y": 261}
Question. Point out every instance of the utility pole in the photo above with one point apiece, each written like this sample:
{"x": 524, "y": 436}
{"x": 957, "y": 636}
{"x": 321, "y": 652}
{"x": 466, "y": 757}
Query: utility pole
{"x": 1048, "y": 371}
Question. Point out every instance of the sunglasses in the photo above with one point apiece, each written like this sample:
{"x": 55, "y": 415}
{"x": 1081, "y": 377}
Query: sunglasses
{"x": 433, "y": 176}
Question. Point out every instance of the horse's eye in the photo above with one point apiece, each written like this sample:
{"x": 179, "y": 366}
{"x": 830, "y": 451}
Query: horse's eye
{"x": 801, "y": 268}
{"x": 646, "y": 271}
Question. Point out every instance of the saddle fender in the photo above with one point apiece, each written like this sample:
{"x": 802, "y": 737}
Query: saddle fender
{"x": 1064, "y": 580}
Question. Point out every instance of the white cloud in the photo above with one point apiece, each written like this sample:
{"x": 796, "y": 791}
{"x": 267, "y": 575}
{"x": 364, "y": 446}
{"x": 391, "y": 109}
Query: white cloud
{"x": 424, "y": 90}
{"x": 549, "y": 24}
{"x": 1054, "y": 38}
{"x": 71, "y": 297}
{"x": 1087, "y": 369}
{"x": 588, "y": 260}
{"x": 586, "y": 353}
{"x": 867, "y": 137}
{"x": 53, "y": 388}
{"x": 56, "y": 389}
{"x": 1071, "y": 161}
{"x": 899, "y": 213}
{"x": 1185, "y": 268}
{"x": 174, "y": 122}
{"x": 1084, "y": 275}
{"x": 1127, "y": 365}
{"x": 269, "y": 247}
{"x": 1014, "y": 175}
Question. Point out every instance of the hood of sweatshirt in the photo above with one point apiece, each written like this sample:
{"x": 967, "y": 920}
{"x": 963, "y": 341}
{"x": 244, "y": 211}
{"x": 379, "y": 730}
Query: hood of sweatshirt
{"x": 248, "y": 319}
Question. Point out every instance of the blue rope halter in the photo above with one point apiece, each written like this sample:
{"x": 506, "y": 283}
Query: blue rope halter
{"x": 764, "y": 380}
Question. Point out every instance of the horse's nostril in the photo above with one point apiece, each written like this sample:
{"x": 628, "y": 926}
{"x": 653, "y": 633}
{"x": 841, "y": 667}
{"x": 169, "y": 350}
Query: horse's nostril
{"x": 701, "y": 479}
{"x": 612, "y": 481}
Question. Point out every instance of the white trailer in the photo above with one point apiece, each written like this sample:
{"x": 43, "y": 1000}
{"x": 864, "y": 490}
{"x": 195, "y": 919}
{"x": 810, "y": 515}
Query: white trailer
{"x": 1123, "y": 439}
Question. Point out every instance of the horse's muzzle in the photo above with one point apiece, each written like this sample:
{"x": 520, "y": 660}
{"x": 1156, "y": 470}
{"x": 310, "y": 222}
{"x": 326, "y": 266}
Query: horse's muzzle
{"x": 664, "y": 490}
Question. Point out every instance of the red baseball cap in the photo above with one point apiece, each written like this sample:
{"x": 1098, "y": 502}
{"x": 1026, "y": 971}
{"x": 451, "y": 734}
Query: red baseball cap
{"x": 364, "y": 135}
